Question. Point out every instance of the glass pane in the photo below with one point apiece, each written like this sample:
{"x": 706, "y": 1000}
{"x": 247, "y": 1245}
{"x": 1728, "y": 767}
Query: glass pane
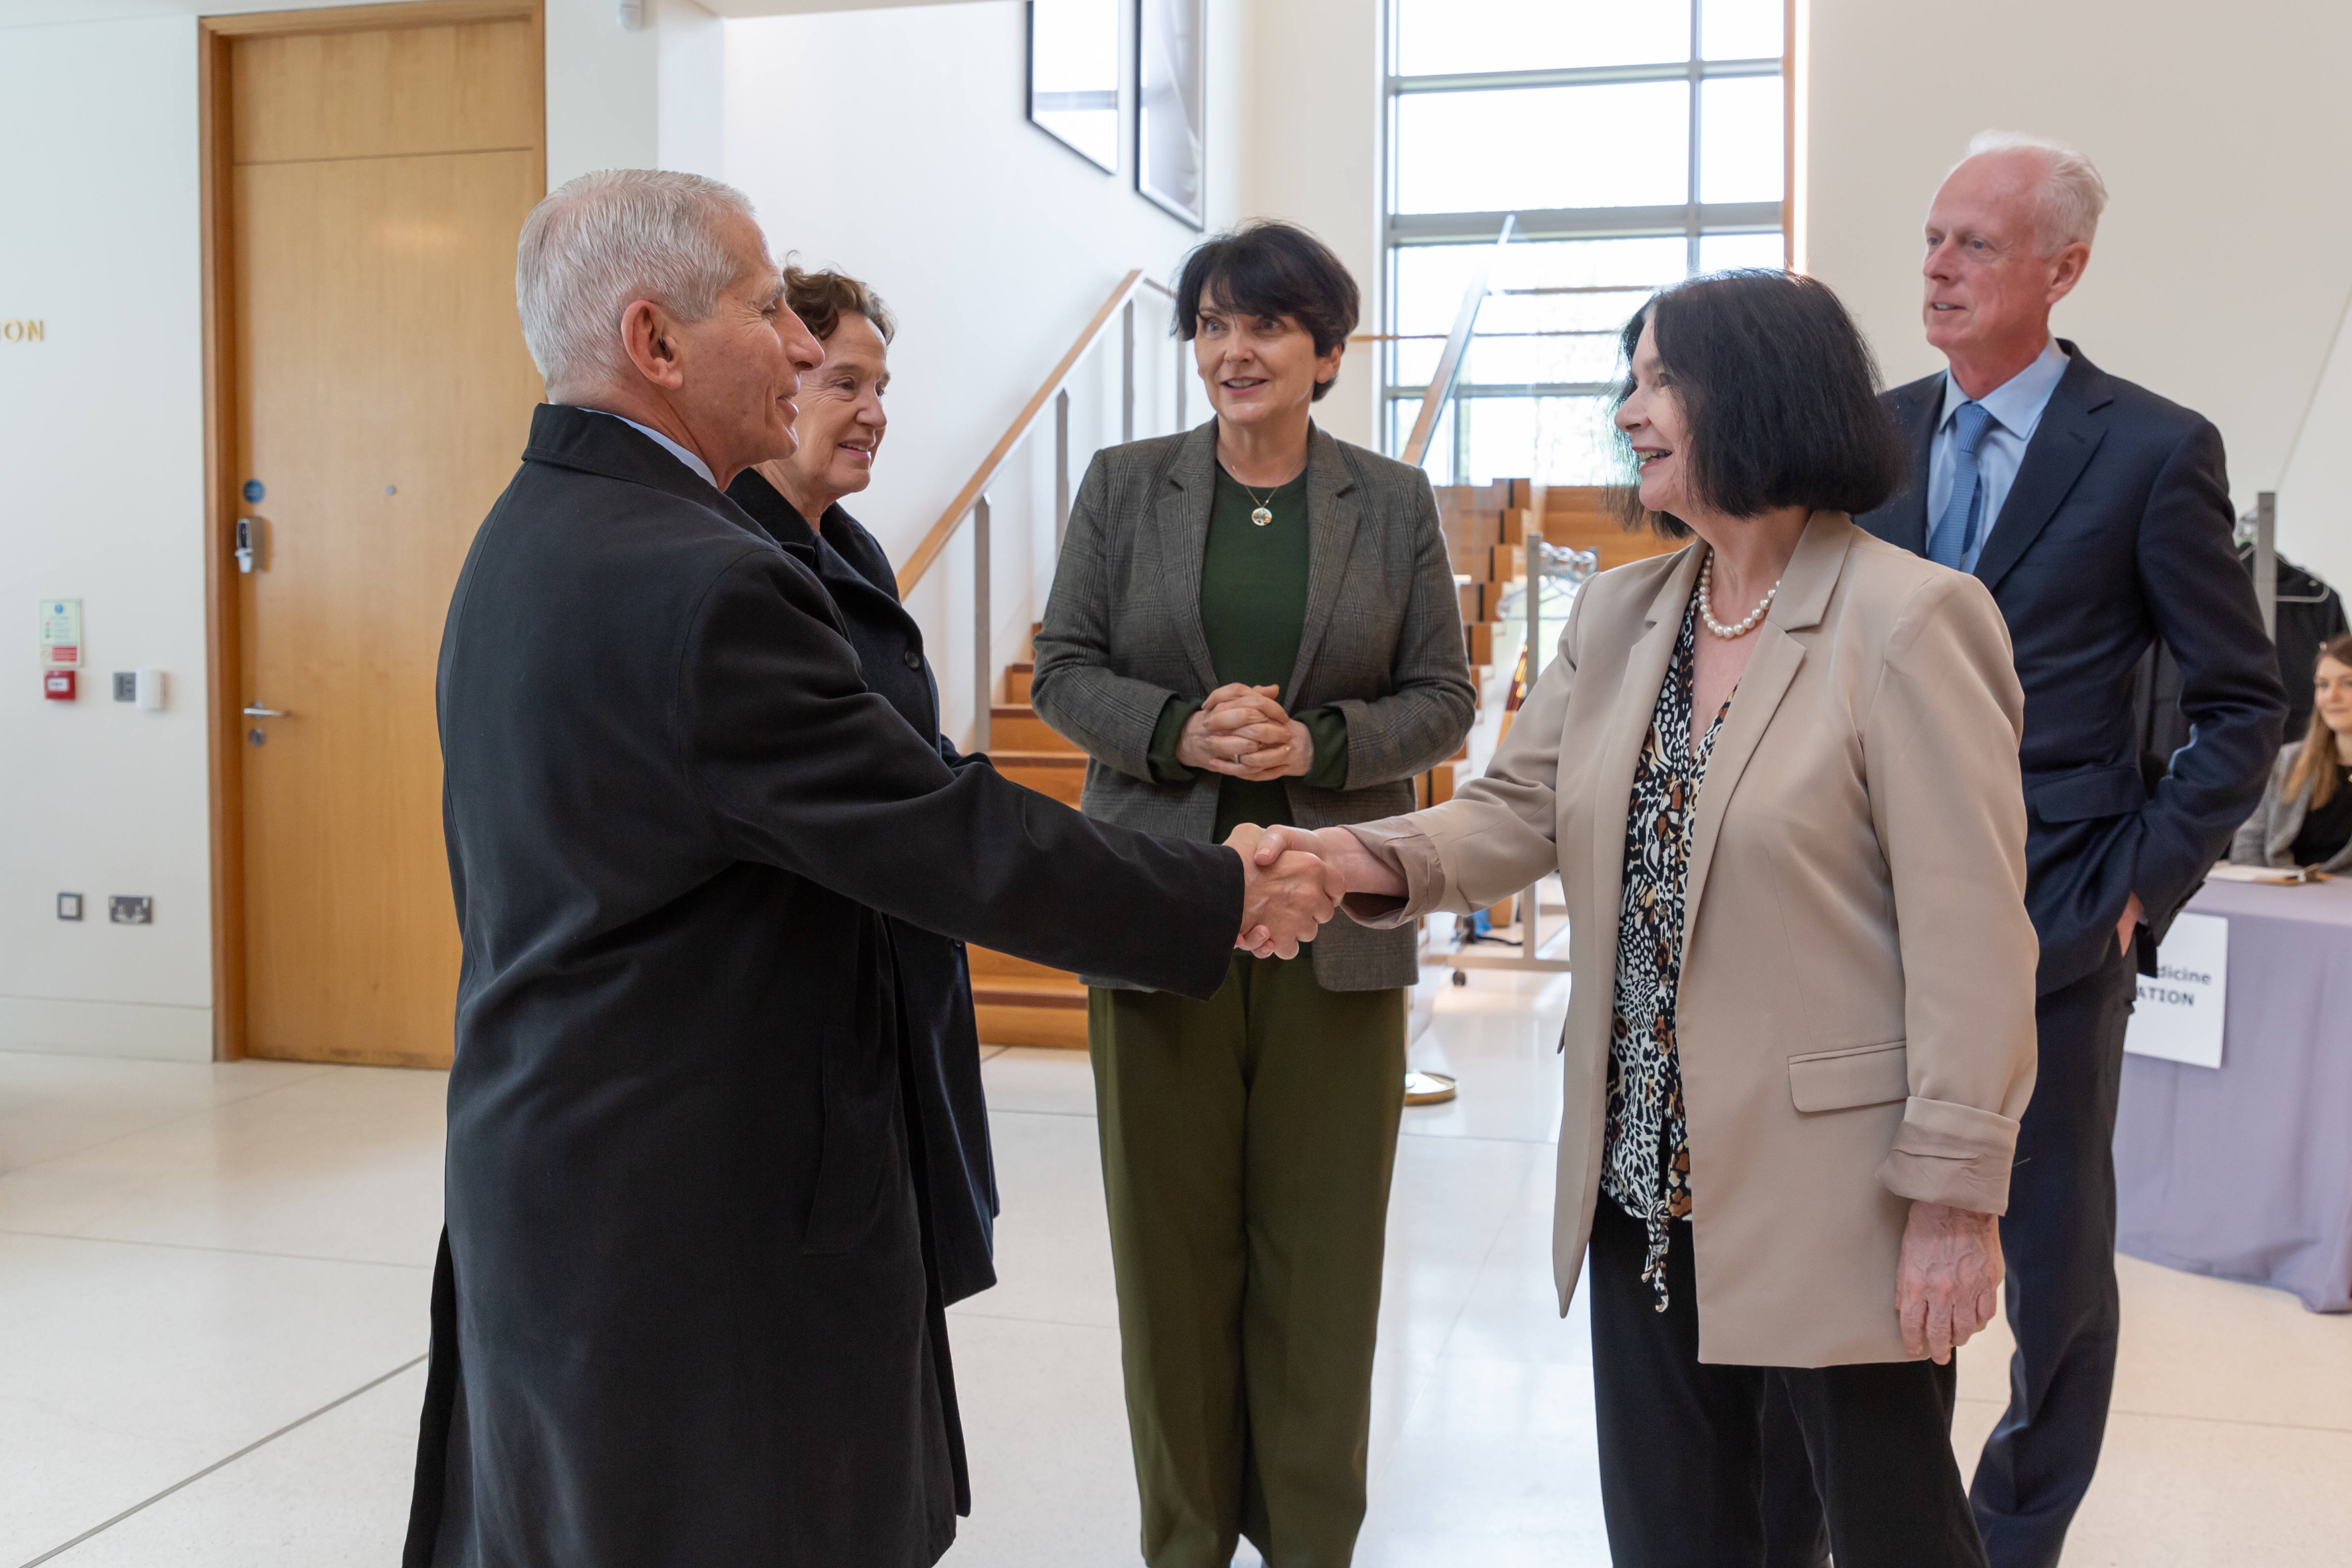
{"x": 1742, "y": 29}
{"x": 1721, "y": 252}
{"x": 1443, "y": 36}
{"x": 1430, "y": 279}
{"x": 1074, "y": 74}
{"x": 1596, "y": 313}
{"x": 1526, "y": 361}
{"x": 1439, "y": 461}
{"x": 1643, "y": 264}
{"x": 1618, "y": 145}
{"x": 1740, "y": 123}
{"x": 1416, "y": 361}
{"x": 1552, "y": 440}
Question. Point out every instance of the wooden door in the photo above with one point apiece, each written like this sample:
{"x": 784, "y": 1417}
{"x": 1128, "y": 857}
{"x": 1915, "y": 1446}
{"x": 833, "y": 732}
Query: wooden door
{"x": 381, "y": 396}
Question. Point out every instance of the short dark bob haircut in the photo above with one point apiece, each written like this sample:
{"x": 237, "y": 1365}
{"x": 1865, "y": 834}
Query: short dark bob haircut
{"x": 1779, "y": 396}
{"x": 1274, "y": 269}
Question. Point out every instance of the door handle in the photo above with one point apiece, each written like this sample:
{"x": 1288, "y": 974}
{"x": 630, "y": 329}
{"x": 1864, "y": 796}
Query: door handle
{"x": 255, "y": 710}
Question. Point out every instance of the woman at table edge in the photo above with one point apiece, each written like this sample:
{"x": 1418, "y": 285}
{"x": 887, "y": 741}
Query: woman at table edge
{"x": 2306, "y": 817}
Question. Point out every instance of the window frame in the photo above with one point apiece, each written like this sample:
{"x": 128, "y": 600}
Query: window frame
{"x": 1691, "y": 219}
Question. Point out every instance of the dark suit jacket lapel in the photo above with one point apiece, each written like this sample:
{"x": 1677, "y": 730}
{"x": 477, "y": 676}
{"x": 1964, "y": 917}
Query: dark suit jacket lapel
{"x": 1187, "y": 495}
{"x": 1917, "y": 407}
{"x": 1333, "y": 517}
{"x": 593, "y": 443}
{"x": 2070, "y": 431}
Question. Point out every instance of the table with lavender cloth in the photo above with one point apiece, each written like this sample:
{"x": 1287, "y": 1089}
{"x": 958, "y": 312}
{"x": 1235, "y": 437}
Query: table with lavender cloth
{"x": 2244, "y": 1172}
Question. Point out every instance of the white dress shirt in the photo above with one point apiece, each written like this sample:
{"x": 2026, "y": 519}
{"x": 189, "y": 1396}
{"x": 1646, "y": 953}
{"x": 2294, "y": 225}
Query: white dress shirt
{"x": 681, "y": 453}
{"x": 2016, "y": 408}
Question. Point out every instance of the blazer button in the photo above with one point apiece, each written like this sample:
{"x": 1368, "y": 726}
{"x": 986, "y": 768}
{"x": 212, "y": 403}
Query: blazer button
{"x": 911, "y": 659}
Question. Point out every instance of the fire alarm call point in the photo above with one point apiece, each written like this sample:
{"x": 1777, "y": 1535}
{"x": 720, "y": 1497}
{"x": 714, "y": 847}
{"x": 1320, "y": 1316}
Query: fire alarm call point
{"x": 61, "y": 647}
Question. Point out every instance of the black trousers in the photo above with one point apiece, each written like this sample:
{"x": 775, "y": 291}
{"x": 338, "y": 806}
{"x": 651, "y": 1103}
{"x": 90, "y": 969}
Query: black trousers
{"x": 1682, "y": 1443}
{"x": 2059, "y": 1240}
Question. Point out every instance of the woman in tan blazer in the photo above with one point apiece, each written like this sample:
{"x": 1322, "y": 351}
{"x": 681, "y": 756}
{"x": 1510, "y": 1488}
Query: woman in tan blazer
{"x": 1776, "y": 773}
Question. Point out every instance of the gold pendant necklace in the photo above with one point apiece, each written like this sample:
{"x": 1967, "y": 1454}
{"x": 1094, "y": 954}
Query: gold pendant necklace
{"x": 1264, "y": 514}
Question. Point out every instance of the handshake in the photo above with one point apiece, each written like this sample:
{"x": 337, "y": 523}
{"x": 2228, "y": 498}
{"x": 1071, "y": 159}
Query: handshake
{"x": 1293, "y": 881}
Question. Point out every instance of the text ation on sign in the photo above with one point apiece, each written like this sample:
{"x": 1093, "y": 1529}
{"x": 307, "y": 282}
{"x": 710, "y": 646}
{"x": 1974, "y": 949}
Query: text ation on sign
{"x": 2178, "y": 1013}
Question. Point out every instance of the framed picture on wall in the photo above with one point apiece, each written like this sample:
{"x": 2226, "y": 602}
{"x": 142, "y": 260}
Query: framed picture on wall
{"x": 1170, "y": 102}
{"x": 1074, "y": 76}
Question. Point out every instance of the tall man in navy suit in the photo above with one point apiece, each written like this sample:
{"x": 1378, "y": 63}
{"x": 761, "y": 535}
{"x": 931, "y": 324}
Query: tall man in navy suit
{"x": 2099, "y": 516}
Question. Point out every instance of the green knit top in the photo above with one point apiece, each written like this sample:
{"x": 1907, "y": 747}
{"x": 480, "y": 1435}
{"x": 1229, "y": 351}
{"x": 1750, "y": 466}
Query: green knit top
{"x": 1253, "y": 612}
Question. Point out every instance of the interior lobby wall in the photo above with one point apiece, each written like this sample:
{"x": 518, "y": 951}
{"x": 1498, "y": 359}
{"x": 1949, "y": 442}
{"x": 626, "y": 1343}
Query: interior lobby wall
{"x": 895, "y": 144}
{"x": 101, "y": 472}
{"x": 1315, "y": 91}
{"x": 101, "y": 499}
{"x": 2223, "y": 264}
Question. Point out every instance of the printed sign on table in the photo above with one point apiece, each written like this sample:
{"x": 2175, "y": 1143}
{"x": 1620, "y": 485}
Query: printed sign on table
{"x": 2179, "y": 1013}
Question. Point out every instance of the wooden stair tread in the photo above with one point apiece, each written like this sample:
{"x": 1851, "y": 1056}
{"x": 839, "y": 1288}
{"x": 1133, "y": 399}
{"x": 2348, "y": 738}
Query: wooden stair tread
{"x": 1023, "y": 991}
{"x": 987, "y": 961}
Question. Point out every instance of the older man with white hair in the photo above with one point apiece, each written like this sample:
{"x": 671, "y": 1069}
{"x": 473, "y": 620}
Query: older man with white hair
{"x": 2099, "y": 515}
{"x": 687, "y": 1308}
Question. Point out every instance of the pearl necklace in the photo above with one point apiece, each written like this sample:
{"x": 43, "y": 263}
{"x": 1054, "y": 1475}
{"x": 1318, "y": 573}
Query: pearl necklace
{"x": 1707, "y": 608}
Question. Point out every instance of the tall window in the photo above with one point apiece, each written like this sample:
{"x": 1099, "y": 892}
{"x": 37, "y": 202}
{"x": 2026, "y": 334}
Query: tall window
{"x": 1633, "y": 142}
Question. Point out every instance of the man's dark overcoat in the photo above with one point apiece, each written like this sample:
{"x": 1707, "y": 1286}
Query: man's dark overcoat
{"x": 683, "y": 1313}
{"x": 934, "y": 979}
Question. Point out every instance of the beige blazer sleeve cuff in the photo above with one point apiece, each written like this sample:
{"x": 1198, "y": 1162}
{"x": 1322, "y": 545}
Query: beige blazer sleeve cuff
{"x": 1954, "y": 1154}
{"x": 1405, "y": 849}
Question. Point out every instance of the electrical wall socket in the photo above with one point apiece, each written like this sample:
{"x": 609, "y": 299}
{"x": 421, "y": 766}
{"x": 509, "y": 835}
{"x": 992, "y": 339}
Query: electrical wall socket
{"x": 126, "y": 910}
{"x": 69, "y": 906}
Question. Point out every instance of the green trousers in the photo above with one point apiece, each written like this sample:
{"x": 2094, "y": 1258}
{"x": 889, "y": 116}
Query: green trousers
{"x": 1247, "y": 1142}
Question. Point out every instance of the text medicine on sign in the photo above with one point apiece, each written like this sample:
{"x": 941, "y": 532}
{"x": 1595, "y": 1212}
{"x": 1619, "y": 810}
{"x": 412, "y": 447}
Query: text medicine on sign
{"x": 2179, "y": 1014}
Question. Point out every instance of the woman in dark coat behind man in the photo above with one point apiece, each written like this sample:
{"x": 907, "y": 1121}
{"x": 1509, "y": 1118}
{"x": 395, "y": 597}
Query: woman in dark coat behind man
{"x": 798, "y": 500}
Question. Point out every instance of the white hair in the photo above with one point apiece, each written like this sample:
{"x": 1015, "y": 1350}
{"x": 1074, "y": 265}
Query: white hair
{"x": 604, "y": 239}
{"x": 2067, "y": 207}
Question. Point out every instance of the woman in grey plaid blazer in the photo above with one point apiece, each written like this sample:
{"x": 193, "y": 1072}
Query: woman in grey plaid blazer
{"x": 1254, "y": 622}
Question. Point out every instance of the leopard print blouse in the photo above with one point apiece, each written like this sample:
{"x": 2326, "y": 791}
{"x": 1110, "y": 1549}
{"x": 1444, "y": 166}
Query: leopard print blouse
{"x": 1646, "y": 1151}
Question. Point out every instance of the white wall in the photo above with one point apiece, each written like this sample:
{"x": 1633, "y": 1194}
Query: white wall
{"x": 102, "y": 497}
{"x": 1315, "y": 88}
{"x": 2315, "y": 492}
{"x": 2224, "y": 261}
{"x": 895, "y": 144}
{"x": 101, "y": 473}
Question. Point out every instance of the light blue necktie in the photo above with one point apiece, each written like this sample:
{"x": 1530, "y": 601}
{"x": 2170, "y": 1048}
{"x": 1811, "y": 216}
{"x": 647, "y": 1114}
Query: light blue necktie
{"x": 1958, "y": 530}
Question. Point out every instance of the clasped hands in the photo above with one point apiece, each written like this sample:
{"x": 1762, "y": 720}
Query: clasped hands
{"x": 1242, "y": 732}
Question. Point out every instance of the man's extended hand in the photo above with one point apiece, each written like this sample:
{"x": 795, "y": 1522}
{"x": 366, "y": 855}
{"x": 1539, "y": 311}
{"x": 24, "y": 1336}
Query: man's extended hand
{"x": 1285, "y": 901}
{"x": 1947, "y": 1281}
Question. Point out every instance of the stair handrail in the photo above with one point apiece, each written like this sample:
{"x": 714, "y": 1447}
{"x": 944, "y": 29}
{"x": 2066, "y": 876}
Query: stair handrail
{"x": 1457, "y": 344}
{"x": 972, "y": 501}
{"x": 970, "y": 498}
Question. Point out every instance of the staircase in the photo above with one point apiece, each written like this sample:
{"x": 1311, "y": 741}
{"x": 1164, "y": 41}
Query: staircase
{"x": 1018, "y": 1002}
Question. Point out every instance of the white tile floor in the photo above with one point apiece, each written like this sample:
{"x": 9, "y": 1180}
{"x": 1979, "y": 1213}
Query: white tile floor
{"x": 213, "y": 1286}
